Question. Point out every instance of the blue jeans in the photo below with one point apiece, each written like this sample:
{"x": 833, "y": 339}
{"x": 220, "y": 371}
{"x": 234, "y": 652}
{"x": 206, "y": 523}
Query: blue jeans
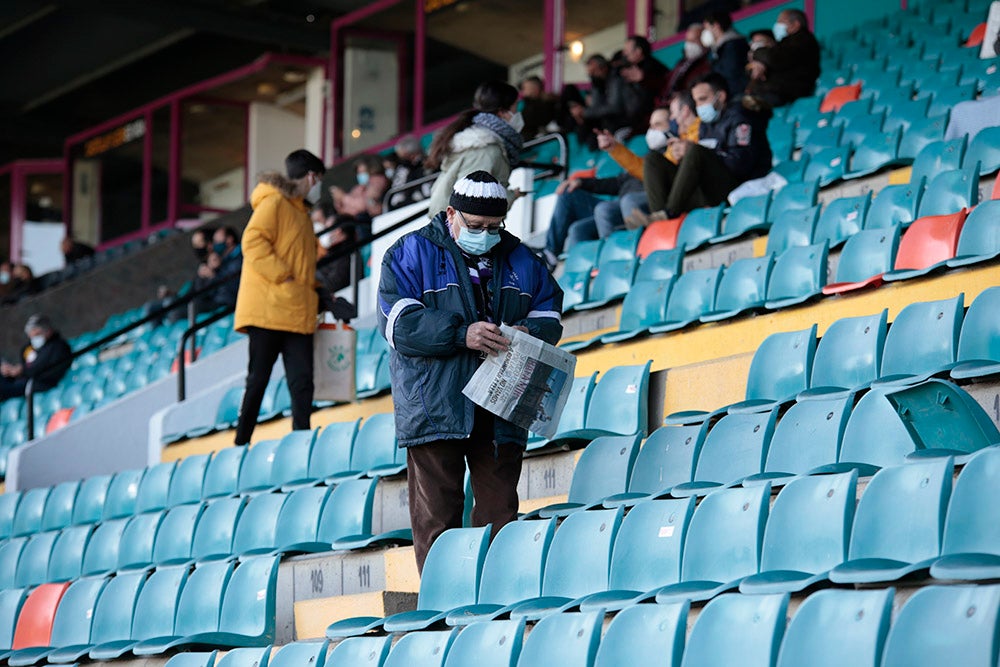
{"x": 608, "y": 217}
{"x": 571, "y": 207}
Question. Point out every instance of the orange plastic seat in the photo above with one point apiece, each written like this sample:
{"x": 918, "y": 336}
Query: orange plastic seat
{"x": 977, "y": 35}
{"x": 839, "y": 96}
{"x": 659, "y": 235}
{"x": 187, "y": 359}
{"x": 927, "y": 245}
{"x": 34, "y": 623}
{"x": 59, "y": 419}
{"x": 584, "y": 173}
{"x": 996, "y": 188}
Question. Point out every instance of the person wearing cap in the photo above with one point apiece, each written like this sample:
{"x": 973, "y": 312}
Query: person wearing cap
{"x": 45, "y": 360}
{"x": 444, "y": 291}
{"x": 277, "y": 302}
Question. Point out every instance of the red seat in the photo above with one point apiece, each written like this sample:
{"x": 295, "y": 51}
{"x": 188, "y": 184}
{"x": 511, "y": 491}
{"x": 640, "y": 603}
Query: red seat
{"x": 930, "y": 240}
{"x": 839, "y": 96}
{"x": 996, "y": 188}
{"x": 187, "y": 359}
{"x": 659, "y": 235}
{"x": 34, "y": 623}
{"x": 59, "y": 419}
{"x": 583, "y": 173}
{"x": 977, "y": 35}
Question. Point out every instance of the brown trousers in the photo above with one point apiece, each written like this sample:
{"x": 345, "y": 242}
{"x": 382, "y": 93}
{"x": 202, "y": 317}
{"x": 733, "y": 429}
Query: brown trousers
{"x": 435, "y": 477}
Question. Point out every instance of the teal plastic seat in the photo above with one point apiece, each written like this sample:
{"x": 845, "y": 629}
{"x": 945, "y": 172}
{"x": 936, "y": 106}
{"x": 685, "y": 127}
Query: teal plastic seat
{"x": 575, "y": 286}
{"x": 923, "y": 339}
{"x": 375, "y": 453}
{"x": 828, "y": 165}
{"x": 103, "y": 548}
{"x": 859, "y": 129}
{"x": 737, "y": 630}
{"x": 256, "y": 531}
{"x": 297, "y": 524}
{"x": 11, "y": 601}
{"x": 942, "y": 625}
{"x": 620, "y": 244}
{"x": 568, "y": 640}
{"x": 920, "y": 133}
{"x": 578, "y": 564}
{"x": 8, "y": 506}
{"x": 612, "y": 282}
{"x": 891, "y": 539}
{"x": 291, "y": 459}
{"x": 792, "y": 228}
{"x": 366, "y": 380}
{"x": 176, "y": 534}
{"x": 33, "y": 565}
{"x": 951, "y": 191}
{"x": 645, "y": 634}
{"x": 835, "y": 627}
{"x": 138, "y": 541}
{"x": 122, "y": 494}
{"x": 698, "y": 227}
{"x": 194, "y": 659}
{"x": 660, "y": 265}
{"x": 865, "y": 259}
{"x": 735, "y": 448}
{"x": 28, "y": 518}
{"x": 359, "y": 651}
{"x": 66, "y": 561}
{"x": 486, "y": 644}
{"x": 186, "y": 484}
{"x": 331, "y": 453}
{"x": 872, "y": 414}
{"x": 743, "y": 287}
{"x": 799, "y": 274}
{"x": 255, "y": 473}
{"x": 807, "y": 534}
{"x": 746, "y": 215}
{"x": 72, "y": 622}
{"x": 229, "y": 408}
{"x": 979, "y": 341}
{"x": 780, "y": 369}
{"x": 904, "y": 112}
{"x": 723, "y": 543}
{"x": 223, "y": 472}
{"x": 574, "y": 414}
{"x": 943, "y": 101}
{"x": 622, "y": 394}
{"x": 582, "y": 257}
{"x": 971, "y": 550}
{"x": 275, "y": 398}
{"x": 841, "y": 219}
{"x": 985, "y": 149}
{"x": 980, "y": 237}
{"x": 895, "y": 205}
{"x": 849, "y": 354}
{"x": 667, "y": 458}
{"x": 155, "y": 488}
{"x": 849, "y": 111}
{"x": 300, "y": 654}
{"x": 450, "y": 579}
{"x": 512, "y": 571}
{"x": 253, "y": 656}
{"x": 644, "y": 306}
{"x": 213, "y": 538}
{"x": 822, "y": 139}
{"x": 58, "y": 512}
{"x": 603, "y": 470}
{"x": 692, "y": 296}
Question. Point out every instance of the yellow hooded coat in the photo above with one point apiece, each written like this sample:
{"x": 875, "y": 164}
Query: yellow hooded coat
{"x": 278, "y": 284}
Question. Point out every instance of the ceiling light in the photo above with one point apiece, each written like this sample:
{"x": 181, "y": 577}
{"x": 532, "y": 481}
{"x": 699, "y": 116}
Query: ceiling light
{"x": 576, "y": 49}
{"x": 267, "y": 89}
{"x": 294, "y": 76}
{"x": 355, "y": 133}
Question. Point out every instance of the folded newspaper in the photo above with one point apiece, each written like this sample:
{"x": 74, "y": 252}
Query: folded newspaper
{"x": 527, "y": 385}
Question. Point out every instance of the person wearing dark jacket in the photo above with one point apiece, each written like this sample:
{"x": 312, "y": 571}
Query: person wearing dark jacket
{"x": 444, "y": 291}
{"x": 46, "y": 359}
{"x": 732, "y": 148}
{"x": 693, "y": 64}
{"x": 644, "y": 78}
{"x": 729, "y": 51}
{"x": 788, "y": 70}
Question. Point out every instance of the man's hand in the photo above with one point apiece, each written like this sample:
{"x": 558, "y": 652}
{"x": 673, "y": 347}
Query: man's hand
{"x": 678, "y": 147}
{"x": 486, "y": 337}
{"x": 568, "y": 186}
{"x": 758, "y": 71}
{"x": 10, "y": 370}
{"x": 205, "y": 272}
{"x": 605, "y": 140}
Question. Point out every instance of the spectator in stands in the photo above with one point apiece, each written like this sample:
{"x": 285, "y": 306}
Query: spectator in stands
{"x": 45, "y": 360}
{"x": 409, "y": 168}
{"x": 161, "y": 305}
{"x": 644, "y": 78}
{"x": 484, "y": 138}
{"x": 692, "y": 65}
{"x": 22, "y": 283}
{"x": 783, "y": 73}
{"x": 334, "y": 274}
{"x": 444, "y": 291}
{"x": 539, "y": 108}
{"x": 729, "y": 50}
{"x": 277, "y": 302}
{"x": 760, "y": 39}
{"x": 364, "y": 201}
{"x": 5, "y": 279}
{"x": 73, "y": 250}
{"x": 731, "y": 149}
{"x": 201, "y": 242}
{"x": 225, "y": 259}
{"x": 605, "y": 108}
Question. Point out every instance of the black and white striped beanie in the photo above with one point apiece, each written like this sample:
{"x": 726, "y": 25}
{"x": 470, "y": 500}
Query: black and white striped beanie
{"x": 479, "y": 193}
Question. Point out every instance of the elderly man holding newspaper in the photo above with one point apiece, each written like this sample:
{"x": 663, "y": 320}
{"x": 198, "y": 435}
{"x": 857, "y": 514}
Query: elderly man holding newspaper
{"x": 444, "y": 292}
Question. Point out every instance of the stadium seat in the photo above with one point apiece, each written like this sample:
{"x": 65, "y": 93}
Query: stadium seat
{"x": 660, "y": 265}
{"x": 176, "y": 535}
{"x": 645, "y": 635}
{"x": 780, "y": 369}
{"x": 922, "y": 340}
{"x": 872, "y": 414}
{"x": 213, "y": 538}
{"x": 903, "y": 112}
{"x": 692, "y": 296}
{"x": 828, "y": 165}
{"x": 849, "y": 355}
{"x": 28, "y": 518}
{"x": 450, "y": 579}
{"x": 667, "y": 458}
{"x": 985, "y": 149}
{"x": 841, "y": 219}
{"x": 865, "y": 258}
{"x": 644, "y": 306}
{"x": 122, "y": 493}
{"x": 34, "y": 622}
{"x": 852, "y": 109}
{"x": 737, "y": 630}
{"x": 938, "y": 157}
{"x": 799, "y": 274}
{"x": 70, "y": 624}
{"x": 375, "y": 453}
{"x": 11, "y": 601}
{"x": 837, "y": 97}
{"x": 229, "y": 408}
{"x": 979, "y": 341}
{"x": 943, "y": 101}
{"x": 792, "y": 228}
{"x": 574, "y": 414}
{"x": 8, "y": 508}
{"x": 112, "y": 617}
{"x": 195, "y": 659}
{"x": 659, "y": 235}
{"x": 749, "y": 214}
{"x": 103, "y": 548}
{"x": 895, "y": 205}
{"x": 155, "y": 488}
{"x": 970, "y": 549}
{"x": 582, "y": 257}
{"x": 255, "y": 473}
{"x": 861, "y": 128}
{"x": 138, "y": 541}
{"x": 927, "y": 245}
{"x": 603, "y": 470}
{"x": 951, "y": 191}
{"x": 979, "y": 240}
{"x": 920, "y": 133}
{"x": 357, "y": 651}
{"x": 743, "y": 287}
{"x": 66, "y": 561}
{"x": 834, "y": 627}
{"x": 622, "y": 393}
{"x": 512, "y": 571}
{"x": 698, "y": 227}
{"x": 254, "y": 657}
{"x": 722, "y": 546}
{"x": 368, "y": 368}
{"x": 620, "y": 244}
{"x": 297, "y": 523}
{"x": 822, "y": 138}
{"x": 492, "y": 644}
{"x": 223, "y": 472}
{"x": 33, "y": 565}
{"x": 941, "y": 625}
{"x": 574, "y": 285}
{"x": 612, "y": 282}
{"x": 10, "y": 555}
{"x": 188, "y": 480}
{"x": 291, "y": 459}
{"x": 299, "y": 654}
{"x": 331, "y": 453}
{"x": 569, "y": 640}
{"x": 892, "y": 539}
{"x": 807, "y": 533}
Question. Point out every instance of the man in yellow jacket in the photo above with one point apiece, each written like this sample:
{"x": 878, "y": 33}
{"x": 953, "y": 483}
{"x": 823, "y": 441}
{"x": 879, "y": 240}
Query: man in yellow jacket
{"x": 277, "y": 301}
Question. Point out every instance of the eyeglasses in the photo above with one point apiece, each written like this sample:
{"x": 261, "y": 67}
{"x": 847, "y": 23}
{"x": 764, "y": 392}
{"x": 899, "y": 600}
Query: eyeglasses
{"x": 489, "y": 229}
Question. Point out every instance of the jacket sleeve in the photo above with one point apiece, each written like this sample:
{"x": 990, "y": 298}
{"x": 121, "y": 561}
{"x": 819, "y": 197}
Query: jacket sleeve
{"x": 410, "y": 327}
{"x": 738, "y": 148}
{"x": 601, "y": 186}
{"x": 612, "y": 103}
{"x": 544, "y": 320}
{"x": 628, "y": 160}
{"x": 258, "y": 243}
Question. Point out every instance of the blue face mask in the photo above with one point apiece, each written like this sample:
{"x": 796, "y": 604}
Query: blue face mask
{"x": 219, "y": 248}
{"x": 780, "y": 31}
{"x": 477, "y": 243}
{"x": 675, "y": 129}
{"x": 707, "y": 112}
{"x": 363, "y": 178}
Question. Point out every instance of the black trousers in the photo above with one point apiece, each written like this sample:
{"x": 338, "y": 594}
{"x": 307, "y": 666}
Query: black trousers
{"x": 435, "y": 478}
{"x": 701, "y": 179}
{"x": 12, "y": 387}
{"x": 296, "y": 352}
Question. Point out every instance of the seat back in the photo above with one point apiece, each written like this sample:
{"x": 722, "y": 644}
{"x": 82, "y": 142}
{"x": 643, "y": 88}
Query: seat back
{"x": 453, "y": 569}
{"x": 33, "y": 565}
{"x": 645, "y": 304}
{"x": 113, "y": 614}
{"x": 11, "y": 601}
{"x": 249, "y": 602}
{"x": 34, "y": 622}
{"x": 575, "y": 286}
{"x": 138, "y": 540}
{"x": 782, "y": 365}
{"x": 693, "y": 294}
{"x": 359, "y": 651}
{"x": 620, "y": 244}
{"x": 421, "y": 649}
{"x": 622, "y": 393}
{"x": 968, "y": 528}
{"x": 942, "y": 625}
{"x": 736, "y": 447}
{"x": 648, "y": 548}
{"x": 645, "y": 634}
{"x": 951, "y": 191}
{"x": 799, "y": 272}
{"x": 980, "y": 336}
{"x": 895, "y": 205}
{"x": 122, "y": 493}
{"x": 331, "y": 452}
{"x": 923, "y": 338}
{"x": 910, "y": 531}
{"x": 659, "y": 235}
{"x": 154, "y": 488}
{"x": 66, "y": 561}
{"x": 579, "y": 558}
{"x": 200, "y": 604}
{"x": 574, "y": 414}
{"x": 667, "y": 458}
{"x": 229, "y": 406}
{"x": 612, "y": 280}
{"x": 582, "y": 257}
{"x": 103, "y": 548}
{"x": 258, "y": 465}
{"x": 186, "y": 484}
{"x": 793, "y": 197}
{"x": 838, "y": 627}
{"x": 868, "y": 253}
{"x": 512, "y": 570}
{"x": 875, "y": 151}
{"x": 347, "y": 511}
{"x": 74, "y": 616}
{"x": 737, "y": 629}
{"x": 985, "y": 149}
{"x": 375, "y": 444}
{"x": 486, "y": 644}
{"x": 247, "y": 657}
{"x": 841, "y": 219}
{"x": 828, "y": 165}
{"x": 9, "y": 500}
{"x": 213, "y": 537}
{"x": 795, "y": 227}
{"x": 660, "y": 265}
{"x": 850, "y": 352}
{"x": 920, "y": 134}
{"x": 699, "y": 226}
{"x": 156, "y": 606}
{"x": 930, "y": 240}
{"x": 28, "y": 518}
{"x": 725, "y": 534}
{"x": 256, "y": 531}
{"x": 194, "y": 659}
{"x": 808, "y": 435}
{"x": 300, "y": 654}
{"x": 874, "y": 414}
{"x": 604, "y": 468}
{"x": 298, "y": 521}
{"x": 937, "y": 157}
{"x": 569, "y": 640}
{"x": 747, "y": 213}
{"x": 291, "y": 459}
{"x": 223, "y": 472}
{"x": 744, "y": 284}
{"x": 175, "y": 536}
{"x": 981, "y": 231}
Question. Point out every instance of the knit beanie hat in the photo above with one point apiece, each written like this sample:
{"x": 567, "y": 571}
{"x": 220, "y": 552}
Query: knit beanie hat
{"x": 301, "y": 162}
{"x": 479, "y": 193}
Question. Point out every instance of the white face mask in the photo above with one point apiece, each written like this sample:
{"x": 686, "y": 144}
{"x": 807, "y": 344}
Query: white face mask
{"x": 315, "y": 192}
{"x": 693, "y": 50}
{"x": 656, "y": 139}
{"x": 37, "y": 342}
{"x": 707, "y": 38}
{"x": 516, "y": 121}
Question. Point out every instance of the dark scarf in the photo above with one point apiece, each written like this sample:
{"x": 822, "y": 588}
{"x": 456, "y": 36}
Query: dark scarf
{"x": 498, "y": 126}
